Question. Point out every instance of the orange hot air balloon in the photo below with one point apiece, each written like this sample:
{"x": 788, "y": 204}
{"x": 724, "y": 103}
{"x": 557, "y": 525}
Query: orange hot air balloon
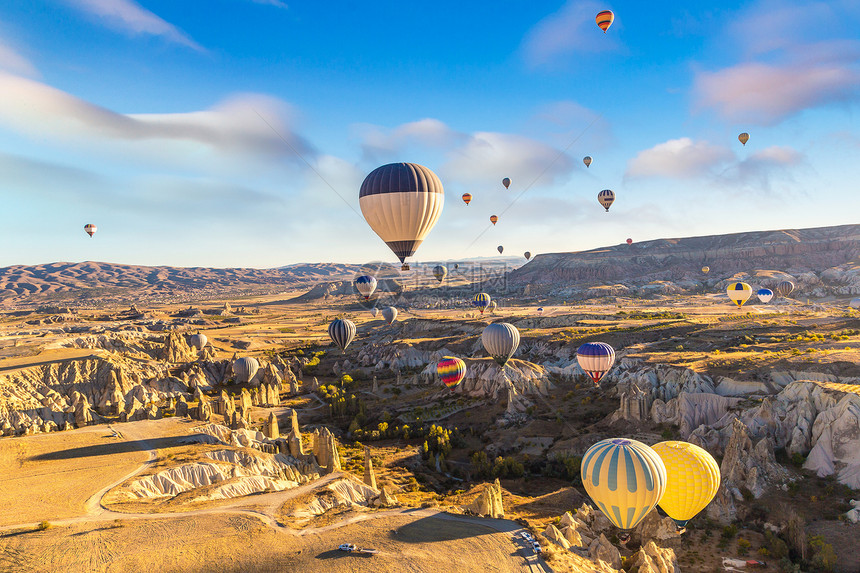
{"x": 743, "y": 138}
{"x": 493, "y": 219}
{"x": 467, "y": 198}
{"x": 605, "y": 19}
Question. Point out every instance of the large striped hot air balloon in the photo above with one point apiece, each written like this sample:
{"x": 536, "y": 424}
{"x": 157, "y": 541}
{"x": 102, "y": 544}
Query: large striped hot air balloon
{"x": 764, "y": 294}
{"x": 244, "y": 368}
{"x": 494, "y": 219}
{"x": 481, "y": 301}
{"x": 606, "y": 198}
{"x": 365, "y": 285}
{"x": 401, "y": 202}
{"x": 451, "y": 371}
{"x": 440, "y": 272}
{"x": 739, "y": 293}
{"x": 743, "y": 138}
{"x": 604, "y": 19}
{"x": 784, "y": 288}
{"x": 596, "y": 359}
{"x": 389, "y": 314}
{"x": 506, "y": 182}
{"x": 198, "y": 341}
{"x": 692, "y": 479}
{"x": 90, "y": 229}
{"x": 625, "y": 478}
{"x": 501, "y": 341}
{"x": 341, "y": 331}
{"x": 467, "y": 198}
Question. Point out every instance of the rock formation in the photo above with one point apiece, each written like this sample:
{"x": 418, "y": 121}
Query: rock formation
{"x": 271, "y": 430}
{"x": 489, "y": 503}
{"x": 326, "y": 451}
{"x": 369, "y": 475}
{"x": 653, "y": 559}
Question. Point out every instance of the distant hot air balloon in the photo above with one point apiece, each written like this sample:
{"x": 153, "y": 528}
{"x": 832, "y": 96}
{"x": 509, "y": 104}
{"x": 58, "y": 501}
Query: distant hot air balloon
{"x": 629, "y": 241}
{"x": 506, "y": 182}
{"x": 365, "y": 285}
{"x": 501, "y": 341}
{"x": 341, "y": 331}
{"x": 440, "y": 272}
{"x": 527, "y": 255}
{"x": 198, "y": 341}
{"x": 595, "y": 359}
{"x": 456, "y": 266}
{"x": 90, "y": 229}
{"x": 451, "y": 371}
{"x": 692, "y": 479}
{"x": 467, "y": 198}
{"x": 492, "y": 306}
{"x": 374, "y": 311}
{"x": 606, "y": 198}
{"x": 604, "y": 19}
{"x": 764, "y": 294}
{"x": 784, "y": 288}
{"x": 706, "y": 270}
{"x": 739, "y": 293}
{"x": 587, "y": 161}
{"x": 481, "y": 301}
{"x": 493, "y": 219}
{"x": 401, "y": 202}
{"x": 540, "y": 310}
{"x": 244, "y": 368}
{"x": 389, "y": 314}
{"x": 625, "y": 478}
{"x": 501, "y": 249}
{"x": 744, "y": 137}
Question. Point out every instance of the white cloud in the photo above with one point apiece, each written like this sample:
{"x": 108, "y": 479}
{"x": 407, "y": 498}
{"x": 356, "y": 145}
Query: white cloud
{"x": 275, "y": 3}
{"x": 380, "y": 144}
{"x": 12, "y": 61}
{"x": 129, "y": 17}
{"x": 678, "y": 158}
{"x": 571, "y": 30}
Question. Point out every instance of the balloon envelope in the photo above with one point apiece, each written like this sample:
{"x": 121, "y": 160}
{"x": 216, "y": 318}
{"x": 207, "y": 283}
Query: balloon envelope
{"x": 595, "y": 359}
{"x": 389, "y": 314}
{"x": 706, "y": 270}
{"x": 501, "y": 249}
{"x": 341, "y": 331}
{"x": 739, "y": 293}
{"x": 493, "y": 219}
{"x": 587, "y": 160}
{"x": 365, "y": 285}
{"x": 506, "y": 182}
{"x": 527, "y": 255}
{"x": 606, "y": 198}
{"x": 492, "y": 306}
{"x": 692, "y": 479}
{"x": 604, "y": 19}
{"x": 374, "y": 311}
{"x": 625, "y": 478}
{"x": 440, "y": 272}
{"x": 244, "y": 368}
{"x": 744, "y": 137}
{"x": 90, "y": 229}
{"x": 401, "y": 202}
{"x": 481, "y": 301}
{"x": 764, "y": 294}
{"x": 198, "y": 341}
{"x": 501, "y": 341}
{"x": 784, "y": 288}
{"x": 451, "y": 371}
{"x": 467, "y": 198}
{"x": 629, "y": 241}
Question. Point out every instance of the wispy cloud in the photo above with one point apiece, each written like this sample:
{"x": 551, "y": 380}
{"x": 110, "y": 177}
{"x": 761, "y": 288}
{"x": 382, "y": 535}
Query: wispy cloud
{"x": 679, "y": 158}
{"x": 12, "y": 61}
{"x": 381, "y": 144}
{"x": 275, "y": 3}
{"x": 129, "y": 17}
{"x": 570, "y": 31}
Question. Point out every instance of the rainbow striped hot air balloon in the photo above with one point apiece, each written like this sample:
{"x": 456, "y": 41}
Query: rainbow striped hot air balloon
{"x": 739, "y": 293}
{"x": 494, "y": 219}
{"x": 481, "y": 301}
{"x": 604, "y": 19}
{"x": 467, "y": 198}
{"x": 90, "y": 229}
{"x": 596, "y": 359}
{"x": 625, "y": 478}
{"x": 451, "y": 371}
{"x": 692, "y": 479}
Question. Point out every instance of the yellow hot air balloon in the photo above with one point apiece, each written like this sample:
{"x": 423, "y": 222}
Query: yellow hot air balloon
{"x": 739, "y": 293}
{"x": 692, "y": 479}
{"x": 604, "y": 19}
{"x": 706, "y": 270}
{"x": 625, "y": 478}
{"x": 744, "y": 137}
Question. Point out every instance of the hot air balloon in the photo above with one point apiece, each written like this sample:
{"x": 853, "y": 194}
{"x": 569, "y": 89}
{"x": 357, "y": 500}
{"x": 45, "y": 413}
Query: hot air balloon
{"x": 481, "y": 301}
{"x": 451, "y": 371}
{"x": 604, "y": 19}
{"x": 198, "y": 341}
{"x": 743, "y": 138}
{"x": 506, "y": 182}
{"x": 501, "y": 249}
{"x": 389, "y": 314}
{"x": 587, "y": 161}
{"x": 365, "y": 285}
{"x": 244, "y": 368}
{"x": 764, "y": 294}
{"x": 493, "y": 219}
{"x": 456, "y": 266}
{"x": 341, "y": 331}
{"x": 625, "y": 478}
{"x": 374, "y": 311}
{"x": 527, "y": 255}
{"x": 401, "y": 202}
{"x": 606, "y": 198}
{"x": 596, "y": 359}
{"x": 467, "y": 198}
{"x": 492, "y": 306}
{"x": 784, "y": 288}
{"x": 440, "y": 272}
{"x": 692, "y": 479}
{"x": 739, "y": 293}
{"x": 90, "y": 229}
{"x": 540, "y": 310}
{"x": 629, "y": 241}
{"x": 706, "y": 270}
{"x": 501, "y": 341}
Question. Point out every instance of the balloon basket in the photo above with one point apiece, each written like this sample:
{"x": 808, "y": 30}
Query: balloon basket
{"x": 405, "y": 267}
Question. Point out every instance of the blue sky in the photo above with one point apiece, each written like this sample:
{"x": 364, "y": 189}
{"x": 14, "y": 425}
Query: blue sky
{"x": 165, "y": 123}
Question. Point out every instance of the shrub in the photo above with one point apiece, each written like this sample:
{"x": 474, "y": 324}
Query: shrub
{"x": 44, "y": 525}
{"x": 743, "y": 546}
{"x": 729, "y": 531}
